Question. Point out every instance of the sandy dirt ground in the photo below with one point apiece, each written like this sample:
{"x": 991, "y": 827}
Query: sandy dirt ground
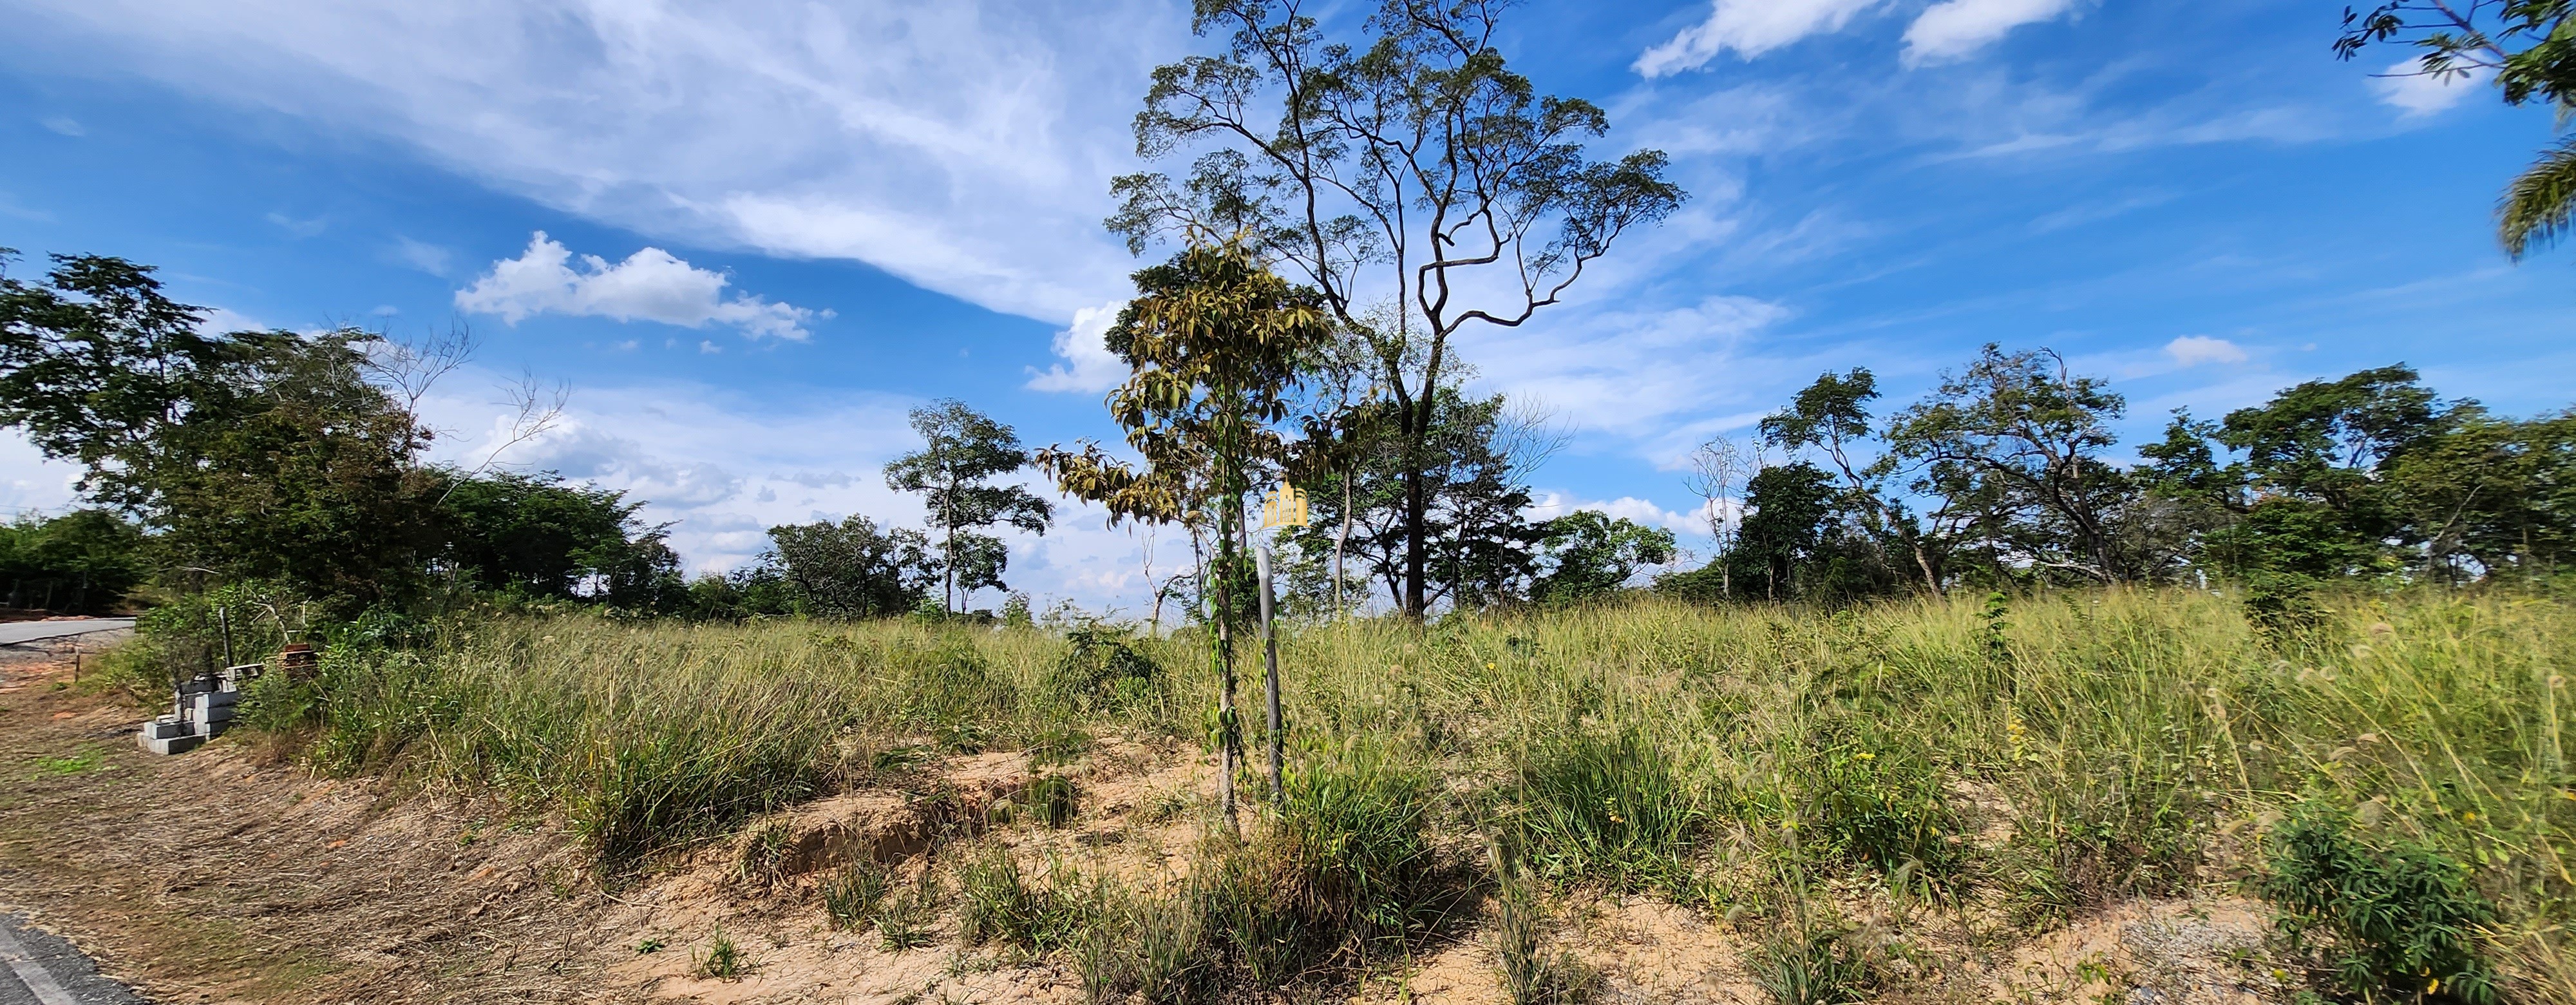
{"x": 223, "y": 876}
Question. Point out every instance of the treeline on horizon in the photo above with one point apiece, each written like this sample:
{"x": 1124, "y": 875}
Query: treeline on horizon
{"x": 300, "y": 460}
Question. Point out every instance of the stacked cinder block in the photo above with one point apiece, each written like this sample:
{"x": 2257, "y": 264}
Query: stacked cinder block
{"x": 203, "y": 709}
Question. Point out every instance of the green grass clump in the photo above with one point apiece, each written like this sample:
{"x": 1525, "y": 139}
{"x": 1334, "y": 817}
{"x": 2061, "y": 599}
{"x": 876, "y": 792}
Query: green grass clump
{"x": 1608, "y": 808}
{"x": 851, "y": 896}
{"x": 87, "y": 760}
{"x": 2061, "y": 751}
{"x": 1888, "y": 813}
{"x": 1534, "y": 970}
{"x": 1004, "y": 905}
{"x": 723, "y": 959}
{"x": 1816, "y": 966}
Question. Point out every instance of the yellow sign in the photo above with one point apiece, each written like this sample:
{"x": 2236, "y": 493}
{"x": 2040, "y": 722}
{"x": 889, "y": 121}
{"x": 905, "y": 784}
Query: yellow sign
{"x": 1283, "y": 507}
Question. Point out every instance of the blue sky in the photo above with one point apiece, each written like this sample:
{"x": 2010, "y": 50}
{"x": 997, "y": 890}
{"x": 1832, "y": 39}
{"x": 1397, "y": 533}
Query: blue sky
{"x": 810, "y": 217}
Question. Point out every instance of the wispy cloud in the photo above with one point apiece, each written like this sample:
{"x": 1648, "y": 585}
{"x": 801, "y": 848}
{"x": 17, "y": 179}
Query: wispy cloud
{"x": 961, "y": 147}
{"x": 1956, "y": 29}
{"x": 1747, "y": 28}
{"x": 423, "y": 256}
{"x": 63, "y": 124}
{"x": 300, "y": 228}
{"x": 650, "y": 285}
{"x": 1627, "y": 372}
{"x": 2097, "y": 211}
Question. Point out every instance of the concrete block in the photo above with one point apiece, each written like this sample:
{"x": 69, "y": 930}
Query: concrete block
{"x": 171, "y": 745}
{"x": 212, "y": 707}
{"x": 167, "y": 727}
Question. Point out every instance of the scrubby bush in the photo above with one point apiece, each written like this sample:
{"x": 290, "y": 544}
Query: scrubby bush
{"x": 2400, "y": 921}
{"x": 1885, "y": 812}
{"x": 1101, "y": 671}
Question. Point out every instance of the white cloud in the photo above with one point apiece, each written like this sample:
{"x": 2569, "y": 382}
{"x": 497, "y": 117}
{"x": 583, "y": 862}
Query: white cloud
{"x": 1088, "y": 364}
{"x": 1642, "y": 511}
{"x": 723, "y": 466}
{"x": 2194, "y": 350}
{"x": 962, "y": 147}
{"x": 1749, "y": 28}
{"x": 2415, "y": 94}
{"x": 65, "y": 125}
{"x": 649, "y": 285}
{"x": 1956, "y": 29}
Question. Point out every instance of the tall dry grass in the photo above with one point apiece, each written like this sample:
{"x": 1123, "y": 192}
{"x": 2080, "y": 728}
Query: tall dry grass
{"x": 2121, "y": 742}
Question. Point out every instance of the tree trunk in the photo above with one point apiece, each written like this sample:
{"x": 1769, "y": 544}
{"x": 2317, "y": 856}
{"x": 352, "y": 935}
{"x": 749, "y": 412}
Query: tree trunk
{"x": 1229, "y": 732}
{"x": 1416, "y": 550}
{"x": 1340, "y": 541}
{"x": 1270, "y": 680}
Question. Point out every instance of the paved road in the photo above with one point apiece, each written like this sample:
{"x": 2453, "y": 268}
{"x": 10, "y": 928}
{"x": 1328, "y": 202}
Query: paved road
{"x": 15, "y": 632}
{"x": 38, "y": 969}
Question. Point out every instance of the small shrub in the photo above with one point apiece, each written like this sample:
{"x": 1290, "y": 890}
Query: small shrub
{"x": 2082, "y": 850}
{"x": 1345, "y": 867}
{"x": 950, "y": 692}
{"x": 1051, "y": 800}
{"x": 1057, "y": 746}
{"x": 1101, "y": 671}
{"x": 851, "y": 896}
{"x": 2401, "y": 921}
{"x": 1889, "y": 813}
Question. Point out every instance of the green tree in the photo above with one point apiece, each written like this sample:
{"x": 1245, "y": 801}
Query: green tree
{"x": 1589, "y": 555}
{"x": 2025, "y": 438}
{"x": 1787, "y": 510}
{"x": 82, "y": 562}
{"x": 962, "y": 451}
{"x": 1482, "y": 549}
{"x": 851, "y": 569}
{"x": 1216, "y": 345}
{"x": 2493, "y": 496}
{"x": 536, "y": 535}
{"x": 268, "y": 455}
{"x": 1413, "y": 170}
{"x": 2330, "y": 441}
{"x": 2530, "y": 46}
{"x": 1831, "y": 417}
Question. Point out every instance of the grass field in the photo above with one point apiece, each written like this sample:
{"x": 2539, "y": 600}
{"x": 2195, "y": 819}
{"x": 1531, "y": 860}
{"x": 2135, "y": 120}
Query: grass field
{"x": 2392, "y": 778}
